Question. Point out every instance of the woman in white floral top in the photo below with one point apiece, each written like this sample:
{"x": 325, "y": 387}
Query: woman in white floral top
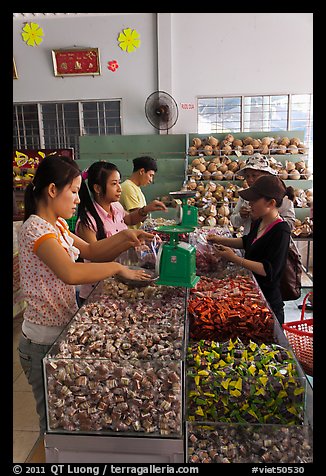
{"x": 49, "y": 273}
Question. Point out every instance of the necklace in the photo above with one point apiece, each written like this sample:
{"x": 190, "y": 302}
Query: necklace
{"x": 263, "y": 228}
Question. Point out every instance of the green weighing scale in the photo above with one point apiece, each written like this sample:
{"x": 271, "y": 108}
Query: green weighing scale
{"x": 176, "y": 262}
{"x": 187, "y": 215}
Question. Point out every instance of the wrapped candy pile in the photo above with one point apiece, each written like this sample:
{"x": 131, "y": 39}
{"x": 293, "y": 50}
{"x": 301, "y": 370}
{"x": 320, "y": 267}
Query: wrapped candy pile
{"x": 151, "y": 223}
{"x": 234, "y": 443}
{"x": 233, "y": 382}
{"x": 111, "y": 288}
{"x": 117, "y": 368}
{"x": 221, "y": 309}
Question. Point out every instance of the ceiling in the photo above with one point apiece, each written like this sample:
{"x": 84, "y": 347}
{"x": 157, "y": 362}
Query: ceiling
{"x": 24, "y": 16}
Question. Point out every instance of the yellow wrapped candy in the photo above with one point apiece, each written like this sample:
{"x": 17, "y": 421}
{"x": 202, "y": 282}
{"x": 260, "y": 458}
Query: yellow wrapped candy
{"x": 199, "y": 411}
{"x": 252, "y": 370}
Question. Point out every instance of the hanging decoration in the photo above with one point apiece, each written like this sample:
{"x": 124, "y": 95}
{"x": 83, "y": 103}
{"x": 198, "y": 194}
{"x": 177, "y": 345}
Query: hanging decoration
{"x": 129, "y": 40}
{"x": 76, "y": 62}
{"x": 113, "y": 65}
{"x": 32, "y": 34}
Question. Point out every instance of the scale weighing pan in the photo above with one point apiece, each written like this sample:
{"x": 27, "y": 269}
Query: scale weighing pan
{"x": 174, "y": 229}
{"x": 183, "y": 194}
{"x": 135, "y": 283}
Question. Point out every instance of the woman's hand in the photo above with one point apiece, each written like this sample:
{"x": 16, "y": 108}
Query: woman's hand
{"x": 136, "y": 237}
{"x": 245, "y": 211}
{"x": 213, "y": 238}
{"x": 143, "y": 236}
{"x": 155, "y": 206}
{"x": 134, "y": 274}
{"x": 224, "y": 252}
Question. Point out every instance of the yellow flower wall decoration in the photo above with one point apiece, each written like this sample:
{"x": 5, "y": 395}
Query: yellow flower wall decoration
{"x": 32, "y": 34}
{"x": 129, "y": 40}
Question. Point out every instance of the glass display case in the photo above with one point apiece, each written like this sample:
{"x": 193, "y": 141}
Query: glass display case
{"x": 248, "y": 443}
{"x": 231, "y": 307}
{"x": 118, "y": 368}
{"x": 240, "y": 366}
{"x": 232, "y": 382}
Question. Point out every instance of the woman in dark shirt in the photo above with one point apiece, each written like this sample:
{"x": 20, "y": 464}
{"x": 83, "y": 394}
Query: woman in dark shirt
{"x": 266, "y": 245}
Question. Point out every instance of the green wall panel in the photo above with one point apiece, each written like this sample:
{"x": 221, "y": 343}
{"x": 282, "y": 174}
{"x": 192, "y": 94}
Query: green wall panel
{"x": 168, "y": 150}
{"x": 170, "y": 153}
{"x": 302, "y": 213}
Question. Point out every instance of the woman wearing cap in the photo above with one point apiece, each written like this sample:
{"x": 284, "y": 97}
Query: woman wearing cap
{"x": 266, "y": 245}
{"x": 256, "y": 166}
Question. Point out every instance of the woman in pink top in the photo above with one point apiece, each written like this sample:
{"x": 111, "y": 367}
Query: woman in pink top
{"x": 47, "y": 255}
{"x": 100, "y": 214}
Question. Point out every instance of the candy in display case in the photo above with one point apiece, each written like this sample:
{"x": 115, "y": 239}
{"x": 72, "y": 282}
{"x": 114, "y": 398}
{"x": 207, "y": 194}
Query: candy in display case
{"x": 111, "y": 288}
{"x": 151, "y": 223}
{"x": 248, "y": 443}
{"x": 220, "y": 309}
{"x": 127, "y": 330}
{"x": 98, "y": 395}
{"x": 233, "y": 382}
{"x": 118, "y": 368}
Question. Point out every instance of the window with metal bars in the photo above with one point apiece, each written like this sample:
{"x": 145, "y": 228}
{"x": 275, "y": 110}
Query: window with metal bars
{"x": 219, "y": 114}
{"x": 26, "y": 127}
{"x": 59, "y": 125}
{"x": 257, "y": 113}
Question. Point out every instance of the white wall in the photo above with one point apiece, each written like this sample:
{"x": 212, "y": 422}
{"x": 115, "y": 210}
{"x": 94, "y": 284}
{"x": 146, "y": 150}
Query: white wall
{"x": 198, "y": 54}
{"x": 134, "y": 80}
{"x": 239, "y": 53}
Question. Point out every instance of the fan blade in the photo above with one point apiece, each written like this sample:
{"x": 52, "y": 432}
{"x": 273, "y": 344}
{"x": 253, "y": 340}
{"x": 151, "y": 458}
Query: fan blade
{"x": 161, "y": 110}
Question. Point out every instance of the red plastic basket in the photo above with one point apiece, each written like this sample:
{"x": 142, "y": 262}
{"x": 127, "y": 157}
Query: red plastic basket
{"x": 300, "y": 337}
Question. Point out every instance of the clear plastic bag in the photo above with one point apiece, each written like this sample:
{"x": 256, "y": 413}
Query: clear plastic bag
{"x": 147, "y": 254}
{"x": 206, "y": 260}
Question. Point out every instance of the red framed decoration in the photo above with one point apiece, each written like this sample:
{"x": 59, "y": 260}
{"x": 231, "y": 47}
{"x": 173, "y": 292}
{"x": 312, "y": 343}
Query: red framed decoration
{"x": 76, "y": 62}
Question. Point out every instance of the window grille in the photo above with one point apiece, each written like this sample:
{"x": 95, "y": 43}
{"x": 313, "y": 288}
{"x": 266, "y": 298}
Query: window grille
{"x": 59, "y": 125}
{"x": 258, "y": 113}
{"x": 26, "y": 126}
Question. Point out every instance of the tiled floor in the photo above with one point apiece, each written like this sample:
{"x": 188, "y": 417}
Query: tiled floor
{"x": 26, "y": 444}
{"x": 25, "y": 419}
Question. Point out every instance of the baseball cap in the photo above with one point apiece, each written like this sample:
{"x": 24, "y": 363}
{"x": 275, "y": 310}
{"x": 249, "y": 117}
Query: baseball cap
{"x": 258, "y": 162}
{"x": 267, "y": 186}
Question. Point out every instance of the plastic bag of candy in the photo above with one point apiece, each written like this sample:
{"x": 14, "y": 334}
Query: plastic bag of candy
{"x": 206, "y": 260}
{"x": 147, "y": 254}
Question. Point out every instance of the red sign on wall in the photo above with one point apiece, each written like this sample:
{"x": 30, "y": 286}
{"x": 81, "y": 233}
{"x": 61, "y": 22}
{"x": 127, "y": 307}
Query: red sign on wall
{"x": 76, "y": 62}
{"x": 187, "y": 105}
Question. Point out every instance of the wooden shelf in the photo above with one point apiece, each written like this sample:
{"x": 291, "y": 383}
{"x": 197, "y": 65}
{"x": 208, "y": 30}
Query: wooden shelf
{"x": 305, "y": 184}
{"x": 278, "y": 157}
